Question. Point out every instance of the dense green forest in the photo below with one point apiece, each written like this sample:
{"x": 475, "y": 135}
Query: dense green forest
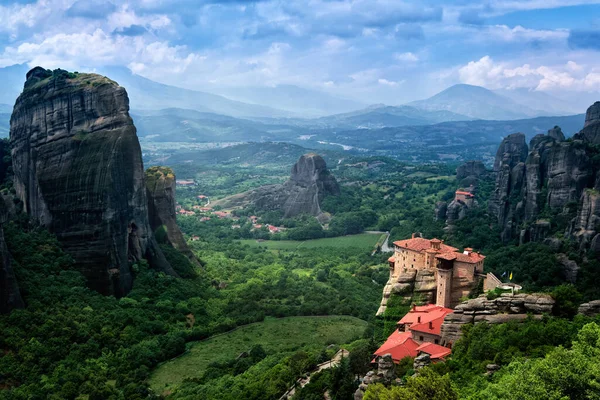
{"x": 72, "y": 343}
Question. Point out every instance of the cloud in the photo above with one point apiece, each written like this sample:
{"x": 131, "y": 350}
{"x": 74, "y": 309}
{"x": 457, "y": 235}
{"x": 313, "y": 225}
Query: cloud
{"x": 133, "y": 30}
{"x": 74, "y": 51}
{"x": 406, "y": 57}
{"x": 385, "y": 82}
{"x": 495, "y": 75}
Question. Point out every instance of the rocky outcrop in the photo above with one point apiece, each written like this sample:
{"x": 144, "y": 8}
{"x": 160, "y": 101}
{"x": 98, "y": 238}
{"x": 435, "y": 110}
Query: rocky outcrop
{"x": 509, "y": 167}
{"x": 441, "y": 210}
{"x": 385, "y": 374}
{"x": 570, "y": 268}
{"x": 591, "y": 128}
{"x": 78, "y": 171}
{"x": 557, "y": 176}
{"x": 420, "y": 283}
{"x": 590, "y": 309}
{"x": 503, "y": 309}
{"x": 303, "y": 193}
{"x": 470, "y": 172}
{"x": 160, "y": 186}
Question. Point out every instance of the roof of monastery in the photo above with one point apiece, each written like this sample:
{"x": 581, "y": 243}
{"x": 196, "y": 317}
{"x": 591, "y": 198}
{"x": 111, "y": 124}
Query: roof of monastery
{"x": 399, "y": 345}
{"x": 434, "y": 350}
{"x": 420, "y": 244}
{"x": 418, "y": 318}
{"x": 445, "y": 252}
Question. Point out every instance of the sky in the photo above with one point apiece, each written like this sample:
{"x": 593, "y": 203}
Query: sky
{"x": 375, "y": 51}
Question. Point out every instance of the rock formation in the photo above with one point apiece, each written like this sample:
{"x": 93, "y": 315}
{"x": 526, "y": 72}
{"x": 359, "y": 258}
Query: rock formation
{"x": 509, "y": 167}
{"x": 552, "y": 175}
{"x": 303, "y": 193}
{"x": 160, "y": 186}
{"x": 420, "y": 283}
{"x": 78, "y": 171}
{"x": 590, "y": 309}
{"x": 503, "y": 309}
{"x": 470, "y": 172}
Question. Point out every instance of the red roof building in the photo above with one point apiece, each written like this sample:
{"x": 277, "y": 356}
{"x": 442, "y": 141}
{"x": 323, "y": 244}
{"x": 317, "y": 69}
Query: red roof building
{"x": 418, "y": 331}
{"x": 456, "y": 273}
{"x": 435, "y": 351}
{"x": 399, "y": 345}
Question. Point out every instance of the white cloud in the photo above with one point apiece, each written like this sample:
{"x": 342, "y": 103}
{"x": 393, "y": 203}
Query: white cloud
{"x": 406, "y": 57}
{"x": 74, "y": 51}
{"x": 494, "y": 75}
{"x": 385, "y": 82}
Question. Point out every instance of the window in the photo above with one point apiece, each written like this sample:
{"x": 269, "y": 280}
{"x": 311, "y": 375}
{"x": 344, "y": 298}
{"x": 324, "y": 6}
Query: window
{"x": 421, "y": 338}
{"x": 436, "y": 341}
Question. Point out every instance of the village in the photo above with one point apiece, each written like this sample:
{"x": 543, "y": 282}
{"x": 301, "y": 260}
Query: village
{"x": 205, "y": 212}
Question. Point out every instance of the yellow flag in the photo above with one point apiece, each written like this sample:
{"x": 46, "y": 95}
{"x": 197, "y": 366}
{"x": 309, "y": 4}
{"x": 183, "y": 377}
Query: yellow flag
{"x": 510, "y": 277}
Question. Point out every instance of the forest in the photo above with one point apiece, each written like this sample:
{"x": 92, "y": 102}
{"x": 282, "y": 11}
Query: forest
{"x": 72, "y": 343}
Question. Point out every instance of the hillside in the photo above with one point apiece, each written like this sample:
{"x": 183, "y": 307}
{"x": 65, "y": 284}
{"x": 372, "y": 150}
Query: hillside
{"x": 476, "y": 102}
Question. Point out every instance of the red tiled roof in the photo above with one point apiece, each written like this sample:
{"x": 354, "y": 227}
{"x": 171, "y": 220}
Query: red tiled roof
{"x": 434, "y": 350}
{"x": 431, "y": 313}
{"x": 399, "y": 345}
{"x": 447, "y": 256}
{"x": 465, "y": 193}
{"x": 420, "y": 244}
{"x": 391, "y": 259}
{"x": 469, "y": 258}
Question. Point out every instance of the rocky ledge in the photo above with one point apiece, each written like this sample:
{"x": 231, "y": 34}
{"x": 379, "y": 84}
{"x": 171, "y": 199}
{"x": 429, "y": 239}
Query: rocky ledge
{"x": 503, "y": 309}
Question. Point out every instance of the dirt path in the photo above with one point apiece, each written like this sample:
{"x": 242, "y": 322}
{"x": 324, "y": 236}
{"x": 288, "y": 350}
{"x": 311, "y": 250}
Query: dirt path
{"x": 300, "y": 383}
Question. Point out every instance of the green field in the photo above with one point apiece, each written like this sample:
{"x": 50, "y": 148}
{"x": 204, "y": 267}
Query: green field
{"x": 366, "y": 241}
{"x": 276, "y": 335}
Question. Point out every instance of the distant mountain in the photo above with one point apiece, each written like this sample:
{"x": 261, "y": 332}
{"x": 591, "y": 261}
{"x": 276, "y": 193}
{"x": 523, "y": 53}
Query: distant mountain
{"x": 306, "y": 102}
{"x": 380, "y": 116}
{"x": 476, "y": 102}
{"x": 180, "y": 125}
{"x": 548, "y": 104}
{"x": 145, "y": 94}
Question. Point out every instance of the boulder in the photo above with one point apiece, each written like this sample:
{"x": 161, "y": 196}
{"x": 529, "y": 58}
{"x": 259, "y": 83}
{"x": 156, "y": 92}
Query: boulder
{"x": 590, "y": 309}
{"x": 78, "y": 171}
{"x": 441, "y": 208}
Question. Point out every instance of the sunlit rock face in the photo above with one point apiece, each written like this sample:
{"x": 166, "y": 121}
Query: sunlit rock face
{"x": 78, "y": 171}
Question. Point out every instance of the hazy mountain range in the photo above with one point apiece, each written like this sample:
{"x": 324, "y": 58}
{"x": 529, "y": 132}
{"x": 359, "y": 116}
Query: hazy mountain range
{"x": 168, "y": 113}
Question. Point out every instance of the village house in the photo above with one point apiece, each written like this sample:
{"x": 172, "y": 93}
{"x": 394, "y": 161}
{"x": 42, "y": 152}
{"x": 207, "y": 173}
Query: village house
{"x": 273, "y": 229}
{"x": 465, "y": 196}
{"x": 185, "y": 182}
{"x": 456, "y": 273}
{"x": 419, "y": 331}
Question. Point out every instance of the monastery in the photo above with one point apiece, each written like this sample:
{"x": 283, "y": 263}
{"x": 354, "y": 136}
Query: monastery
{"x": 442, "y": 273}
{"x": 456, "y": 274}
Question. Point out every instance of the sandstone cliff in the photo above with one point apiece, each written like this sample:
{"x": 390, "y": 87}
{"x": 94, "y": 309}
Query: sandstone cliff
{"x": 78, "y": 171}
{"x": 557, "y": 177}
{"x": 160, "y": 186}
{"x": 309, "y": 183}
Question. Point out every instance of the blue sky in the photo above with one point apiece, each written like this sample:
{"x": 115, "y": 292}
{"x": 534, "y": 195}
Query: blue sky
{"x": 372, "y": 50}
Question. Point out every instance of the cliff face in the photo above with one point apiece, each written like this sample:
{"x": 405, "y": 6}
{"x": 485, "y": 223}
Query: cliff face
{"x": 78, "y": 170}
{"x": 509, "y": 168}
{"x": 556, "y": 176}
{"x": 309, "y": 183}
{"x": 160, "y": 185}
